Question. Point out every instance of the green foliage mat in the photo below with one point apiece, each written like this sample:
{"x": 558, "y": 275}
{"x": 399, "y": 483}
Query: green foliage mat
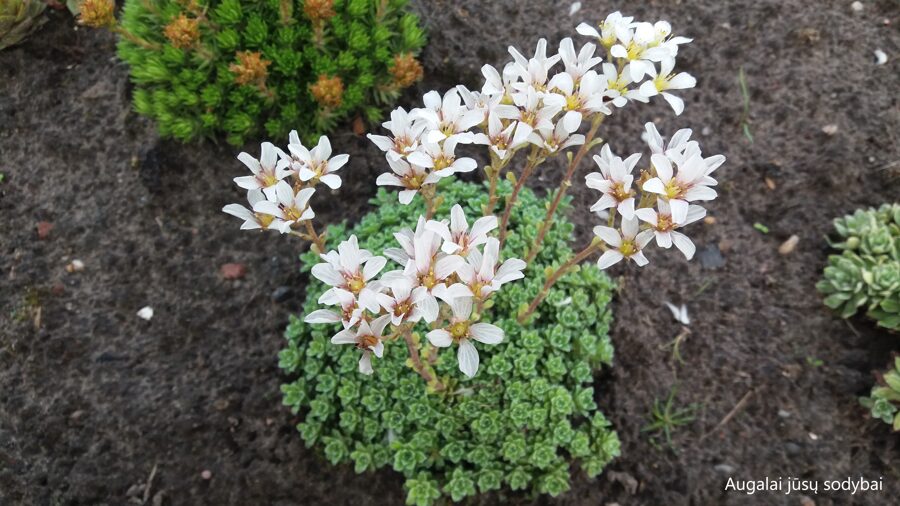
{"x": 520, "y": 423}
{"x": 191, "y": 92}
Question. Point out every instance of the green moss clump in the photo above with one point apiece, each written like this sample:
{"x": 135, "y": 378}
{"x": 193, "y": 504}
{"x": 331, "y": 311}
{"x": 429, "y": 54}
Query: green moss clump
{"x": 519, "y": 424}
{"x": 867, "y": 272}
{"x": 248, "y": 69}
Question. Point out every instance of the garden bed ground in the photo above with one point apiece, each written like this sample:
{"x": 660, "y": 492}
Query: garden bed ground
{"x": 93, "y": 399}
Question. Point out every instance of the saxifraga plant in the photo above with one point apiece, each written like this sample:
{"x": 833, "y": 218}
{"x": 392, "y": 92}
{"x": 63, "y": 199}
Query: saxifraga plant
{"x": 18, "y": 19}
{"x": 240, "y": 68}
{"x": 527, "y": 322}
{"x": 884, "y": 400}
{"x": 867, "y": 272}
{"x": 517, "y": 424}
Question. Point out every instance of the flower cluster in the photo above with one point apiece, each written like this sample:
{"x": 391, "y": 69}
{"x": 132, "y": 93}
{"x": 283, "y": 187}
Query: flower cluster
{"x": 282, "y": 184}
{"x": 677, "y": 176}
{"x": 440, "y": 263}
{"x": 447, "y": 271}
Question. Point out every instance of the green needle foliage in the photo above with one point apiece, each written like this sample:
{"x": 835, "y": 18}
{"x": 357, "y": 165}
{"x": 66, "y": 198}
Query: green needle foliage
{"x": 665, "y": 418}
{"x": 18, "y": 19}
{"x": 520, "y": 424}
{"x": 884, "y": 401}
{"x": 263, "y": 67}
{"x": 867, "y": 272}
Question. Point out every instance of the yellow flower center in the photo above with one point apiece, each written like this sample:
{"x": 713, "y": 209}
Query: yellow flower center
{"x": 355, "y": 284}
{"x": 673, "y": 190}
{"x": 365, "y": 342}
{"x": 459, "y": 330}
{"x": 428, "y": 280}
{"x": 628, "y": 247}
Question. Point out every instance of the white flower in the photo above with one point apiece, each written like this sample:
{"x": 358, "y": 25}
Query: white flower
{"x": 679, "y": 313}
{"x": 658, "y": 145}
{"x": 447, "y": 118}
{"x": 479, "y": 274}
{"x": 350, "y": 268}
{"x": 409, "y": 176}
{"x": 560, "y": 137}
{"x": 502, "y": 141}
{"x": 288, "y": 207}
{"x": 405, "y": 134}
{"x": 251, "y": 219}
{"x": 646, "y": 44}
{"x": 367, "y": 338}
{"x": 457, "y": 237}
{"x": 663, "y": 226}
{"x": 494, "y": 84}
{"x": 617, "y": 86}
{"x": 690, "y": 184}
{"x": 532, "y": 72}
{"x": 577, "y": 64}
{"x": 271, "y": 168}
{"x": 610, "y": 29}
{"x": 666, "y": 80}
{"x": 462, "y": 331}
{"x": 315, "y": 165}
{"x": 629, "y": 244}
{"x": 480, "y": 102}
{"x": 533, "y": 110}
{"x": 587, "y": 98}
{"x": 403, "y": 303}
{"x": 614, "y": 181}
{"x": 350, "y": 313}
{"x": 441, "y": 158}
{"x": 406, "y": 238}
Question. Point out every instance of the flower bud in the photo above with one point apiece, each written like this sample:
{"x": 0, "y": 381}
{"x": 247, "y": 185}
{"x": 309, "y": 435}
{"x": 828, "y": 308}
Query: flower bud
{"x": 318, "y": 11}
{"x": 328, "y": 91}
{"x": 406, "y": 70}
{"x": 250, "y": 68}
{"x": 182, "y": 32}
{"x": 97, "y": 13}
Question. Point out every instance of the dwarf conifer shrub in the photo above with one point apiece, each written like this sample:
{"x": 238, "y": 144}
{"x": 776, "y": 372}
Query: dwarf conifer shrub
{"x": 523, "y": 423}
{"x": 248, "y": 68}
{"x": 866, "y": 274}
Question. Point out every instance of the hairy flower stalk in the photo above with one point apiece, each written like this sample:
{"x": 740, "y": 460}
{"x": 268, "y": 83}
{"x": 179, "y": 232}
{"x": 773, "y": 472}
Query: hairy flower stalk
{"x": 446, "y": 268}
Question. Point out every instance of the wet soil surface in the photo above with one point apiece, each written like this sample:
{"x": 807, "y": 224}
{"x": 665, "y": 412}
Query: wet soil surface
{"x": 98, "y": 406}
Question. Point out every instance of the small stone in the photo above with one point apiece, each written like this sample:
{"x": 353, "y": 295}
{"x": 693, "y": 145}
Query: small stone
{"x": 830, "y": 129}
{"x": 206, "y": 474}
{"x": 145, "y": 313}
{"x": 710, "y": 257}
{"x": 787, "y": 247}
{"x": 806, "y": 501}
{"x": 710, "y": 220}
{"x": 811, "y": 35}
{"x": 221, "y": 404}
{"x": 233, "y": 270}
{"x": 857, "y": 6}
{"x": 784, "y": 414}
{"x": 77, "y": 414}
{"x": 880, "y": 57}
{"x": 75, "y": 266}
{"x": 770, "y": 183}
{"x": 706, "y": 131}
{"x": 724, "y": 469}
{"x": 813, "y": 436}
{"x": 792, "y": 448}
{"x": 281, "y": 294}
{"x": 43, "y": 229}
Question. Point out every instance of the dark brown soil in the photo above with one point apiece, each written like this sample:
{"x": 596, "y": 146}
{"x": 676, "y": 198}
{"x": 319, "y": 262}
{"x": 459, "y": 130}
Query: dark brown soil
{"x": 92, "y": 398}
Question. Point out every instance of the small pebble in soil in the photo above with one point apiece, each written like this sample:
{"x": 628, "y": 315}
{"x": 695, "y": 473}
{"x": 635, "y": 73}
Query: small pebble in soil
{"x": 806, "y": 501}
{"x": 880, "y": 57}
{"x": 784, "y": 414}
{"x": 724, "y": 469}
{"x": 233, "y": 270}
{"x": 43, "y": 229}
{"x": 281, "y": 294}
{"x": 857, "y": 6}
{"x": 788, "y": 246}
{"x": 145, "y": 313}
{"x": 830, "y": 129}
{"x": 792, "y": 448}
{"x": 75, "y": 266}
{"x": 710, "y": 257}
{"x": 813, "y": 436}
{"x": 206, "y": 474}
